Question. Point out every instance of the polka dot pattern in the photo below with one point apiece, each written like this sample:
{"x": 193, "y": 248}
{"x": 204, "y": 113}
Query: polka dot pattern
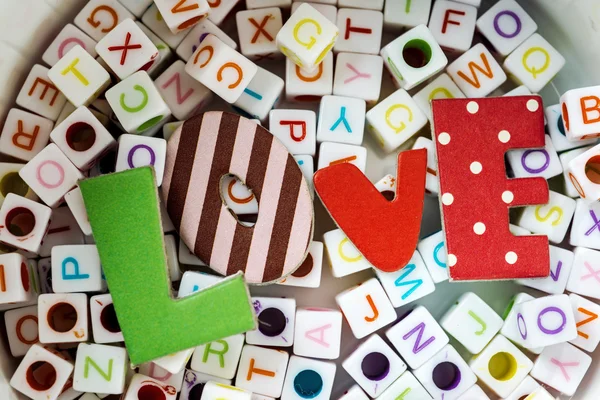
{"x": 447, "y": 199}
{"x": 444, "y": 138}
{"x": 479, "y": 228}
{"x": 511, "y": 257}
{"x": 508, "y": 196}
{"x": 533, "y": 105}
{"x": 476, "y": 167}
{"x": 472, "y": 107}
{"x": 451, "y": 260}
{"x": 504, "y": 136}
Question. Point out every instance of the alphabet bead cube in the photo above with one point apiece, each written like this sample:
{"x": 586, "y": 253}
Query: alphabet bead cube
{"x": 341, "y": 120}
{"x": 343, "y": 256}
{"x": 42, "y": 374}
{"x": 63, "y": 318}
{"x": 506, "y": 25}
{"x": 296, "y": 129}
{"x": 374, "y": 366}
{"x": 407, "y": 387}
{"x": 585, "y": 229}
{"x": 552, "y": 219}
{"x": 76, "y": 268}
{"x": 306, "y": 378}
{"x": 126, "y": 49}
{"x": 417, "y": 337}
{"x": 395, "y": 120}
{"x": 354, "y": 393}
{"x": 100, "y": 368}
{"x": 358, "y": 75}
{"x": 366, "y": 308}
{"x": 141, "y": 386}
{"x": 261, "y": 95}
{"x": 74, "y": 201}
{"x": 21, "y": 329}
{"x": 580, "y": 112}
{"x": 14, "y": 279}
{"x": 501, "y": 366}
{"x": 525, "y": 388}
{"x": 510, "y": 329}
{"x": 176, "y": 362}
{"x": 307, "y": 47}
{"x": 155, "y": 372}
{"x": 361, "y": 31}
{"x": 24, "y": 134}
{"x": 433, "y": 251}
{"x": 219, "y": 358}
{"x": 441, "y": 87}
{"x": 309, "y": 273}
{"x": 585, "y": 275}
{"x": 182, "y": 15}
{"x": 432, "y": 182}
{"x": 154, "y": 20}
{"x": 336, "y": 153}
{"x": 545, "y": 321}
{"x": 138, "y": 151}
{"x": 535, "y": 162}
{"x": 194, "y": 382}
{"x": 105, "y": 326}
{"x": 453, "y": 24}
{"x": 276, "y": 319}
{"x": 588, "y": 326}
{"x": 99, "y": 17}
{"x": 24, "y": 222}
{"x": 304, "y": 86}
{"x": 476, "y": 72}
{"x": 399, "y": 15}
{"x": 474, "y": 393}
{"x": 561, "y": 367}
{"x": 221, "y": 69}
{"x": 318, "y": 333}
{"x": 194, "y": 38}
{"x": 262, "y": 371}
{"x": 584, "y": 175}
{"x": 11, "y": 182}
{"x": 408, "y": 284}
{"x": 414, "y": 57}
{"x": 561, "y": 263}
{"x": 68, "y": 37}
{"x": 257, "y": 30}
{"x": 51, "y": 175}
{"x": 307, "y": 166}
{"x": 137, "y": 103}
{"x": 325, "y": 7}
{"x": 219, "y": 10}
{"x": 534, "y": 63}
{"x": 446, "y": 375}
{"x": 39, "y": 95}
{"x": 556, "y": 129}
{"x": 214, "y": 390}
{"x": 79, "y": 77}
{"x": 472, "y": 322}
{"x": 369, "y": 5}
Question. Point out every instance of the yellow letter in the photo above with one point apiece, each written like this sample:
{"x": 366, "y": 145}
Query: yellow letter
{"x": 313, "y": 40}
{"x": 388, "y": 116}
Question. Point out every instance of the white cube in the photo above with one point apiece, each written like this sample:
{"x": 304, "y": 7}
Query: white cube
{"x": 525, "y": 388}
{"x": 344, "y": 258}
{"x": 407, "y": 387}
{"x": 24, "y": 222}
{"x": 306, "y": 378}
{"x": 262, "y": 371}
{"x": 63, "y": 318}
{"x": 584, "y": 175}
{"x": 182, "y": 15}
{"x": 76, "y": 268}
{"x": 257, "y": 30}
{"x": 556, "y": 129}
{"x": 219, "y": 358}
{"x": 219, "y": 10}
{"x": 530, "y": 163}
{"x": 215, "y": 390}
{"x": 15, "y": 280}
{"x": 105, "y": 325}
{"x": 366, "y": 308}
{"x": 307, "y": 166}
{"x": 453, "y": 24}
{"x": 341, "y": 120}
{"x": 510, "y": 328}
{"x": 68, "y": 37}
{"x": 309, "y": 273}
{"x": 194, "y": 38}
{"x": 318, "y": 333}
{"x": 39, "y": 95}
{"x": 11, "y": 182}
{"x": 360, "y": 31}
{"x": 472, "y": 322}
{"x": 296, "y": 129}
{"x": 565, "y": 158}
{"x": 74, "y": 200}
{"x": 474, "y": 393}
{"x": 588, "y": 326}
{"x": 24, "y": 134}
{"x": 580, "y": 108}
{"x": 361, "y": 4}
{"x": 139, "y": 151}
{"x": 358, "y": 75}
{"x": 176, "y": 362}
{"x": 22, "y": 329}
{"x": 276, "y": 318}
{"x": 585, "y": 274}
{"x": 326, "y": 7}
{"x": 399, "y": 15}
{"x": 433, "y": 251}
{"x": 432, "y": 182}
{"x": 585, "y": 229}
{"x": 305, "y": 86}
{"x": 337, "y": 153}
{"x": 561, "y": 263}
{"x": 476, "y": 72}
{"x": 141, "y": 384}
{"x": 354, "y": 393}
{"x": 154, "y": 20}
{"x": 417, "y": 337}
{"x": 441, "y": 87}
{"x": 98, "y": 17}
{"x": 261, "y": 95}
{"x": 100, "y": 368}
{"x": 552, "y": 219}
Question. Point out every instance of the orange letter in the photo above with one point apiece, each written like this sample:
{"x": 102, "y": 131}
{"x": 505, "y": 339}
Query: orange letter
{"x": 109, "y": 10}
{"x": 20, "y": 327}
{"x": 211, "y": 52}
{"x": 30, "y": 136}
{"x": 592, "y": 317}
{"x": 2, "y": 279}
{"x": 237, "y": 68}
{"x": 374, "y": 308}
{"x": 48, "y": 85}
{"x": 309, "y": 78}
{"x": 472, "y": 67}
{"x": 252, "y": 370}
{"x": 585, "y": 109}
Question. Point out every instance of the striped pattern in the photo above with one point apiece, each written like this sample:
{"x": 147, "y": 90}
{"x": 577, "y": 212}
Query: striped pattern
{"x": 210, "y": 146}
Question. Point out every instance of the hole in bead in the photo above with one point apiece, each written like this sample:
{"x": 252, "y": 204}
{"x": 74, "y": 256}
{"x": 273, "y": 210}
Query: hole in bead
{"x": 13, "y": 183}
{"x": 375, "y": 366}
{"x": 62, "y": 317}
{"x": 24, "y": 277}
{"x": 41, "y": 376}
{"x": 417, "y": 53}
{"x": 20, "y": 221}
{"x": 305, "y": 268}
{"x": 150, "y": 123}
{"x": 502, "y": 366}
{"x": 446, "y": 376}
{"x": 108, "y": 319}
{"x": 150, "y": 392}
{"x": 196, "y": 392}
{"x": 592, "y": 169}
{"x": 389, "y": 195}
{"x": 81, "y": 136}
{"x": 308, "y": 384}
{"x": 271, "y": 322}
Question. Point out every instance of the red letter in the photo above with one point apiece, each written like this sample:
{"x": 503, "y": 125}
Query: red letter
{"x": 447, "y": 19}
{"x": 472, "y": 137}
{"x": 385, "y": 232}
{"x": 350, "y": 29}
{"x": 291, "y": 125}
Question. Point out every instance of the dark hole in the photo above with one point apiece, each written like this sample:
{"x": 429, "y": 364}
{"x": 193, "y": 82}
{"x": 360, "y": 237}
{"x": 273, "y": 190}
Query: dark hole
{"x": 150, "y": 123}
{"x": 108, "y": 319}
{"x": 41, "y": 376}
{"x": 416, "y": 53}
{"x": 389, "y": 195}
{"x": 375, "y": 366}
{"x": 106, "y": 165}
{"x": 12, "y": 183}
{"x": 24, "y": 277}
{"x": 561, "y": 125}
{"x": 592, "y": 169}
{"x": 20, "y": 221}
{"x": 271, "y": 322}
{"x": 150, "y": 392}
{"x": 446, "y": 375}
{"x": 62, "y": 317}
{"x": 308, "y": 384}
{"x": 81, "y": 136}
{"x": 305, "y": 268}
{"x": 196, "y": 392}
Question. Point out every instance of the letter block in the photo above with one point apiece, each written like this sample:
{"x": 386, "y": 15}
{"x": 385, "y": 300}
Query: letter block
{"x": 100, "y": 368}
{"x": 221, "y": 69}
{"x": 42, "y": 374}
{"x": 304, "y": 86}
{"x": 506, "y": 25}
{"x": 15, "y": 284}
{"x": 584, "y": 174}
{"x": 306, "y": 378}
{"x": 24, "y": 134}
{"x": 526, "y": 387}
{"x": 23, "y": 222}
{"x": 307, "y": 37}
{"x": 344, "y": 258}
{"x": 76, "y": 268}
{"x": 354, "y": 393}
{"x": 79, "y": 77}
{"x": 510, "y": 328}
{"x": 585, "y": 230}
{"x": 63, "y": 230}
{"x": 552, "y": 219}
{"x": 407, "y": 387}
{"x": 432, "y": 182}
{"x": 164, "y": 52}
{"x": 529, "y": 163}
{"x": 219, "y": 10}
{"x": 588, "y": 325}
{"x": 561, "y": 263}
{"x": 374, "y": 365}
{"x": 360, "y": 30}
{"x": 11, "y": 182}
{"x": 318, "y": 333}
{"x": 276, "y": 320}
{"x": 585, "y": 275}
{"x": 476, "y": 72}
{"x": 309, "y": 273}
{"x": 338, "y": 153}
{"x": 326, "y": 7}
{"x": 561, "y": 367}
{"x": 194, "y": 382}
{"x": 482, "y": 166}
{"x": 413, "y": 57}
{"x": 137, "y": 103}
{"x": 99, "y": 17}
{"x": 581, "y": 113}
{"x": 366, "y": 308}
{"x": 399, "y": 15}
{"x": 358, "y": 75}
{"x": 442, "y": 87}
{"x": 395, "y": 120}
{"x": 63, "y": 318}
{"x": 341, "y": 120}
{"x": 261, "y": 96}
{"x": 126, "y": 49}
{"x": 257, "y": 30}
{"x": 22, "y": 329}
{"x": 262, "y": 371}
{"x": 215, "y": 390}
{"x": 139, "y": 151}
{"x": 453, "y": 24}
{"x": 105, "y": 325}
{"x": 155, "y": 372}
{"x": 556, "y": 128}
{"x": 296, "y": 129}
{"x": 39, "y": 95}
{"x": 153, "y": 19}
{"x": 219, "y": 358}
{"x": 433, "y": 250}
{"x": 182, "y": 14}
{"x": 51, "y": 175}
{"x": 67, "y": 38}
{"x": 417, "y": 337}
{"x": 565, "y": 158}
{"x": 142, "y": 386}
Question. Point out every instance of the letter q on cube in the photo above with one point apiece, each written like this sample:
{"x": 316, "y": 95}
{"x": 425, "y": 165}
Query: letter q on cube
{"x": 76, "y": 268}
{"x": 23, "y": 222}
